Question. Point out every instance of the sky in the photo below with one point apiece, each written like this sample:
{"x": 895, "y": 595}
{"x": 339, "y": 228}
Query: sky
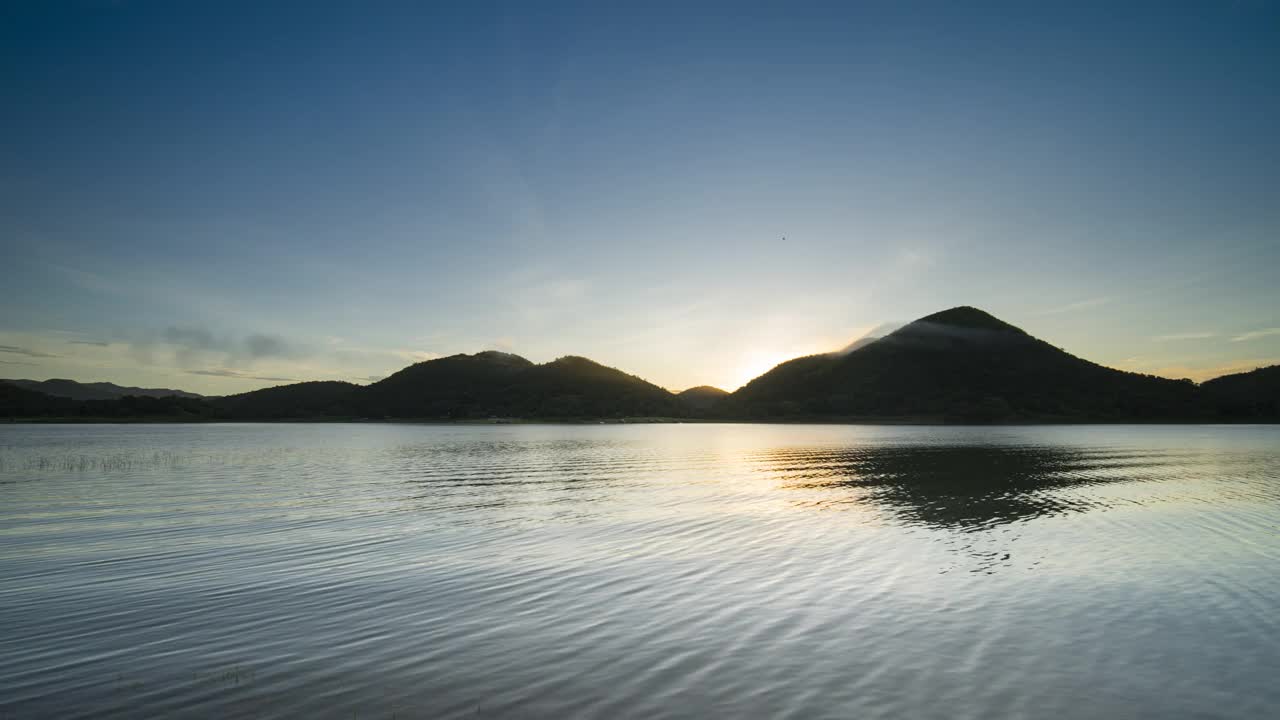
{"x": 224, "y": 196}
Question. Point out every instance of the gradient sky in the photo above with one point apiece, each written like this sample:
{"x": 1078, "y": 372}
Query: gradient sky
{"x": 221, "y": 196}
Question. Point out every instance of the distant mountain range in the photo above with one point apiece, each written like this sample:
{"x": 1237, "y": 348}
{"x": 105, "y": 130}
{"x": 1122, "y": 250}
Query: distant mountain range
{"x": 94, "y": 391}
{"x": 959, "y": 365}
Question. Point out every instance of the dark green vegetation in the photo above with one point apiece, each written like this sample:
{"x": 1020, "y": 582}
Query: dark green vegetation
{"x": 959, "y": 365}
{"x": 495, "y": 384}
{"x": 299, "y": 400}
{"x": 18, "y": 402}
{"x": 94, "y": 391}
{"x": 963, "y": 365}
{"x": 702, "y": 398}
{"x": 1247, "y": 395}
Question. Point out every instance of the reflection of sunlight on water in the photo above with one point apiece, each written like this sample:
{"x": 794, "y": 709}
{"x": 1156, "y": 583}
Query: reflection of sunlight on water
{"x": 743, "y": 570}
{"x": 979, "y": 497}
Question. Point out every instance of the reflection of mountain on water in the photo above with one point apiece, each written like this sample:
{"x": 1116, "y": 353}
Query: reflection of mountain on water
{"x": 962, "y": 487}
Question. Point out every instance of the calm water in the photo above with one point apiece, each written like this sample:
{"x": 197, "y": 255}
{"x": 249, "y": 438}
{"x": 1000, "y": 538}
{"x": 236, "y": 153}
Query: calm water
{"x": 381, "y": 571}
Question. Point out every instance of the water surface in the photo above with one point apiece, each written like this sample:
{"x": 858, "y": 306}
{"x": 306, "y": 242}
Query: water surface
{"x": 680, "y": 571}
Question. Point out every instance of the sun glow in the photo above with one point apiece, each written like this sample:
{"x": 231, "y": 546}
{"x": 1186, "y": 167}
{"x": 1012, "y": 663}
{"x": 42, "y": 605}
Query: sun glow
{"x": 755, "y": 363}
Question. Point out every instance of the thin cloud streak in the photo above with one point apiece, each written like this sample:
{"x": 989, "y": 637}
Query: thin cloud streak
{"x": 1256, "y": 334}
{"x": 26, "y": 351}
{"x": 1185, "y": 336}
{"x": 222, "y": 372}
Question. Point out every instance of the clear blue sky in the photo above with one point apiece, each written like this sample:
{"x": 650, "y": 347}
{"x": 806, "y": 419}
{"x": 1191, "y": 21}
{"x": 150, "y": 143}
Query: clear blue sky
{"x": 215, "y": 196}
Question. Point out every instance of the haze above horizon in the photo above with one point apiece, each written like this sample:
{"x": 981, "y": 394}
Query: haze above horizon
{"x": 221, "y": 199}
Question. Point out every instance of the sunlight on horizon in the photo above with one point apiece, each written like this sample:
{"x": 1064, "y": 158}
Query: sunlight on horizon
{"x": 766, "y": 185}
{"x": 755, "y": 363}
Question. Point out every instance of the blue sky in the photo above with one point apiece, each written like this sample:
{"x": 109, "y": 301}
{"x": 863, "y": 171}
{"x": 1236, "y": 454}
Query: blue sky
{"x": 223, "y": 196}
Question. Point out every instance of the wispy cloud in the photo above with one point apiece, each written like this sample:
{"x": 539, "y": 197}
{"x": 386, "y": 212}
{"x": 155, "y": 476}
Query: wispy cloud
{"x": 1255, "y": 334}
{"x": 26, "y": 351}
{"x": 200, "y": 350}
{"x": 1184, "y": 336}
{"x": 195, "y": 346}
{"x": 255, "y": 345}
{"x": 224, "y": 359}
{"x": 418, "y": 356}
{"x": 223, "y": 372}
{"x": 1073, "y": 307}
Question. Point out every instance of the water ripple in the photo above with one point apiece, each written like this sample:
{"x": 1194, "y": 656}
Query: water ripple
{"x": 638, "y": 571}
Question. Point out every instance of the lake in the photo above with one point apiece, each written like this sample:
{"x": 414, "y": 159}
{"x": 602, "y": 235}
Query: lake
{"x": 610, "y": 571}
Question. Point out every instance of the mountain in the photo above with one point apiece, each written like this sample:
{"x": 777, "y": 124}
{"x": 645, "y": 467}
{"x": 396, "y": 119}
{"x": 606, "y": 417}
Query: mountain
{"x": 18, "y": 401}
{"x": 961, "y": 364}
{"x": 483, "y": 385}
{"x": 495, "y": 384}
{"x": 299, "y": 400}
{"x": 958, "y": 365}
{"x": 454, "y": 386}
{"x": 59, "y": 387}
{"x": 703, "y": 398}
{"x": 1247, "y": 395}
{"x": 875, "y": 334}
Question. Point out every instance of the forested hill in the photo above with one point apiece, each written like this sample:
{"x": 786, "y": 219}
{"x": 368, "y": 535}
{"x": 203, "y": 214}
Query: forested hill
{"x": 963, "y": 364}
{"x": 494, "y": 384}
{"x": 959, "y": 365}
{"x": 59, "y": 387}
{"x": 1248, "y": 395}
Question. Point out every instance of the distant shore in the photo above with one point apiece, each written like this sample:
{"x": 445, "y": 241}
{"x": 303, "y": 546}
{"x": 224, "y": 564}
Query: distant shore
{"x": 922, "y": 421}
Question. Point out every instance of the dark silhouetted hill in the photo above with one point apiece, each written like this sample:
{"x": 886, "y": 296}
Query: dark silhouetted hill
{"x": 703, "y": 398}
{"x": 59, "y": 387}
{"x": 494, "y": 384}
{"x": 18, "y": 402}
{"x": 961, "y": 364}
{"x": 324, "y": 398}
{"x": 1247, "y": 395}
{"x": 875, "y": 334}
{"x": 454, "y": 386}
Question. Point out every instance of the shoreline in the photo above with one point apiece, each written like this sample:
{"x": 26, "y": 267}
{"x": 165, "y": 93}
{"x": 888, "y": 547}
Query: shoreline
{"x": 893, "y": 421}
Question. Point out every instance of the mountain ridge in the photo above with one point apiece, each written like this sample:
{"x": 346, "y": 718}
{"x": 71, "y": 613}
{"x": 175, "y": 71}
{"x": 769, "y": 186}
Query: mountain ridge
{"x": 961, "y": 364}
{"x": 62, "y": 387}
